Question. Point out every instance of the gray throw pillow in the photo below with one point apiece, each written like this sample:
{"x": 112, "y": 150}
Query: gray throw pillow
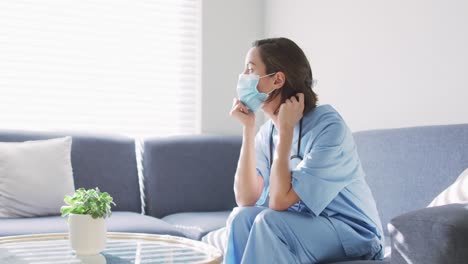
{"x": 435, "y": 235}
{"x": 34, "y": 177}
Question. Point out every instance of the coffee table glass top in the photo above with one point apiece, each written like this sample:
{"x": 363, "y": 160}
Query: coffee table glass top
{"x": 122, "y": 248}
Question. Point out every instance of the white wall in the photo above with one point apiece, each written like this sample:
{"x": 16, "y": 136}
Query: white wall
{"x": 228, "y": 29}
{"x": 382, "y": 64}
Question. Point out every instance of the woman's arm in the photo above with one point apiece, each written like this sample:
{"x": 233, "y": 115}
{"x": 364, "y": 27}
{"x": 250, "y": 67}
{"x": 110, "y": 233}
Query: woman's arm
{"x": 247, "y": 184}
{"x": 282, "y": 195}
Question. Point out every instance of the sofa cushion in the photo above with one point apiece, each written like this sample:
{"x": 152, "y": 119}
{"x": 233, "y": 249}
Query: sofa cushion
{"x": 119, "y": 222}
{"x": 407, "y": 167}
{"x": 32, "y": 171}
{"x": 98, "y": 160}
{"x": 388, "y": 247}
{"x": 189, "y": 174}
{"x": 218, "y": 239}
{"x": 385, "y": 261}
{"x": 197, "y": 224}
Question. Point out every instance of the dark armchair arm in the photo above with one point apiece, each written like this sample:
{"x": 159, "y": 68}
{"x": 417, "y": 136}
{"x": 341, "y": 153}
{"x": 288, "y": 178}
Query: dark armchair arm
{"x": 436, "y": 235}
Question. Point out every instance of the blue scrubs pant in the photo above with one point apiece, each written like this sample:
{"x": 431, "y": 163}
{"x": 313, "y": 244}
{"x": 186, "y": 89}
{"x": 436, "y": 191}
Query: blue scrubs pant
{"x": 262, "y": 235}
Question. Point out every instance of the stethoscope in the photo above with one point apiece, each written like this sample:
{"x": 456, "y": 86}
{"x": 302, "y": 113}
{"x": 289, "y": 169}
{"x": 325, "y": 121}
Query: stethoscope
{"x": 297, "y": 158}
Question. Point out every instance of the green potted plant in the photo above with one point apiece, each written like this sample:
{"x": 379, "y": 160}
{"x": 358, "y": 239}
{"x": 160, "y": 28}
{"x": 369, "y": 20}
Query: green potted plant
{"x": 87, "y": 211}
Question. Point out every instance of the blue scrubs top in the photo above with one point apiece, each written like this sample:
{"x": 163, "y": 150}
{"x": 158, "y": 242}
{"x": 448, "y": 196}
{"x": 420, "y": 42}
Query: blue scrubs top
{"x": 329, "y": 180}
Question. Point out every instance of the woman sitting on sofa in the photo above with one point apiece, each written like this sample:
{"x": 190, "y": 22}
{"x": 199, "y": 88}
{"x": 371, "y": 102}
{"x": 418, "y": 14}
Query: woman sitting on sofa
{"x": 300, "y": 189}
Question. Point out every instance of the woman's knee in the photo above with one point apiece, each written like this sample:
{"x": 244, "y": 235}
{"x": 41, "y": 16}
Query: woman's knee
{"x": 268, "y": 217}
{"x": 244, "y": 215}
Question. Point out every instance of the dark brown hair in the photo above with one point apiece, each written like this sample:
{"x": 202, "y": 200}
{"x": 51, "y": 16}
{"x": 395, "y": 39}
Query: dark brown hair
{"x": 282, "y": 54}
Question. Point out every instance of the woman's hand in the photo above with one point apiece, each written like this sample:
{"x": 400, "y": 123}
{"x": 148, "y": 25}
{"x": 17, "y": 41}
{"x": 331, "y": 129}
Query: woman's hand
{"x": 242, "y": 113}
{"x": 291, "y": 112}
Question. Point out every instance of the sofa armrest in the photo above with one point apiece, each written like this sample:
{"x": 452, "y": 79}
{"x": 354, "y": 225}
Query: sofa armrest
{"x": 431, "y": 235}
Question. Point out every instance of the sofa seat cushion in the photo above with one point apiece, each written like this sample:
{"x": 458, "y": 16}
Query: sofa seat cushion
{"x": 218, "y": 239}
{"x": 119, "y": 222}
{"x": 195, "y": 225}
{"x": 385, "y": 261}
{"x": 388, "y": 247}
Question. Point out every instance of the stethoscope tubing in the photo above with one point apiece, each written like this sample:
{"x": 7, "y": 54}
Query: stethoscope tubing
{"x": 298, "y": 155}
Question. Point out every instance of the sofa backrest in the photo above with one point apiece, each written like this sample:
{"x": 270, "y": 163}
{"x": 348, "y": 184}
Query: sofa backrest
{"x": 183, "y": 174}
{"x": 407, "y": 168}
{"x": 103, "y": 161}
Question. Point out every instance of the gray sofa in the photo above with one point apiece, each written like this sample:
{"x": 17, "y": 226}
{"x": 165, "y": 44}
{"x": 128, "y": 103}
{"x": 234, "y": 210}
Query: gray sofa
{"x": 406, "y": 169}
{"x": 104, "y": 161}
{"x": 188, "y": 186}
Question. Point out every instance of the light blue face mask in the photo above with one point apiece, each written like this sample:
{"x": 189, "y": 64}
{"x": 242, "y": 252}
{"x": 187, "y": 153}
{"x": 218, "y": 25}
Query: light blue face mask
{"x": 248, "y": 92}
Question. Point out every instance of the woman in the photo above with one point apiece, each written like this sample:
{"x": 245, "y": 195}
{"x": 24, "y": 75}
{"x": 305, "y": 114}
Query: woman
{"x": 299, "y": 185}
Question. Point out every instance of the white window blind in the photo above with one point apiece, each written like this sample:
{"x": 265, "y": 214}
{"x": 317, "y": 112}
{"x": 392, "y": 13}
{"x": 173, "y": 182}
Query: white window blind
{"x": 122, "y": 66}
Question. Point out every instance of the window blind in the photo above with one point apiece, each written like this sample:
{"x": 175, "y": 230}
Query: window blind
{"x": 122, "y": 66}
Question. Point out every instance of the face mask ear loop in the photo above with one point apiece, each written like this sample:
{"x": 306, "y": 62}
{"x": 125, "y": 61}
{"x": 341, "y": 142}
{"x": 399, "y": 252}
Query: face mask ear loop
{"x": 270, "y": 92}
{"x": 268, "y": 75}
{"x": 273, "y": 73}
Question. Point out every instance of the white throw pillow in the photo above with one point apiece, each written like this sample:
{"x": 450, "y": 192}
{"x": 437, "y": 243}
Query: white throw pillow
{"x": 455, "y": 193}
{"x": 34, "y": 177}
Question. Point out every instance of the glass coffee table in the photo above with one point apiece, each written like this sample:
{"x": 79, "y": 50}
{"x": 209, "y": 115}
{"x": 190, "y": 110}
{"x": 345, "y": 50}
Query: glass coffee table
{"x": 122, "y": 248}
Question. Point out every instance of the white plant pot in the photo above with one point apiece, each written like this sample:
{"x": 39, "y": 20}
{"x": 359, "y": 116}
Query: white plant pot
{"x": 87, "y": 235}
